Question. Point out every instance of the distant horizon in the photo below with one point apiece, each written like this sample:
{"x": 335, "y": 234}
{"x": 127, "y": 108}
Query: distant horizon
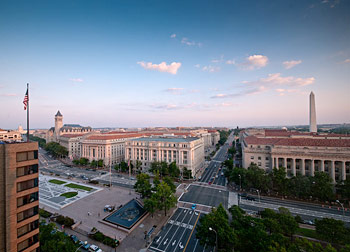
{"x": 184, "y": 63}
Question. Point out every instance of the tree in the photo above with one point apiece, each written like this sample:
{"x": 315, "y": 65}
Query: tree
{"x": 331, "y": 230}
{"x": 143, "y": 186}
{"x": 54, "y": 241}
{"x": 156, "y": 182}
{"x": 156, "y": 167}
{"x": 217, "y": 220}
{"x": 174, "y": 170}
{"x": 344, "y": 190}
{"x": 165, "y": 197}
{"x": 187, "y": 174}
{"x": 257, "y": 178}
{"x": 123, "y": 166}
{"x": 170, "y": 183}
{"x": 299, "y": 186}
{"x": 237, "y": 175}
{"x": 279, "y": 180}
{"x": 93, "y": 163}
{"x": 138, "y": 164}
{"x": 100, "y": 163}
{"x": 150, "y": 204}
{"x": 322, "y": 186}
{"x": 84, "y": 161}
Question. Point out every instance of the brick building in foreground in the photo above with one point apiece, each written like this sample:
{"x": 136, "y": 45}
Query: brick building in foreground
{"x": 19, "y": 197}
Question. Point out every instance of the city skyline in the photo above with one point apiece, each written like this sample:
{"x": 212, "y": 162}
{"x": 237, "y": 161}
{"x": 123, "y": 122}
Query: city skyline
{"x": 114, "y": 64}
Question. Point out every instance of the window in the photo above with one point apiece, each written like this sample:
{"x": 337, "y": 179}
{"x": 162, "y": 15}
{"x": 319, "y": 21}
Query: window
{"x": 27, "y": 243}
{"x": 251, "y": 157}
{"x": 26, "y": 170}
{"x": 27, "y": 214}
{"x": 267, "y": 158}
{"x": 259, "y": 158}
{"x": 25, "y": 185}
{"x": 27, "y": 228}
{"x": 27, "y": 155}
{"x": 259, "y": 163}
{"x": 21, "y": 201}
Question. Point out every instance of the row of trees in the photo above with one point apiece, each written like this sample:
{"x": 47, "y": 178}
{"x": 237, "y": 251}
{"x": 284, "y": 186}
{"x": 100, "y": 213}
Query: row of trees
{"x": 160, "y": 196}
{"x": 86, "y": 162}
{"x": 273, "y": 232}
{"x": 41, "y": 141}
{"x": 56, "y": 150}
{"x": 320, "y": 186}
{"x": 223, "y": 136}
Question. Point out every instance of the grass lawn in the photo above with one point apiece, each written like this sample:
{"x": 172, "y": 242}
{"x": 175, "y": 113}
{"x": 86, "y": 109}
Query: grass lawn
{"x": 307, "y": 232}
{"x": 69, "y": 194}
{"x": 75, "y": 186}
{"x": 57, "y": 182}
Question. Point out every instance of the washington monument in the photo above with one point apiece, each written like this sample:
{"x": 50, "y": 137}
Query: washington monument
{"x": 313, "y": 125}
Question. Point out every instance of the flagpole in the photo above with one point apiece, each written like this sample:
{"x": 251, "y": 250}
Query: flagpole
{"x": 28, "y": 114}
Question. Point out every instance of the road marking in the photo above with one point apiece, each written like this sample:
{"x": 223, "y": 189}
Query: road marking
{"x": 191, "y": 232}
{"x": 156, "y": 249}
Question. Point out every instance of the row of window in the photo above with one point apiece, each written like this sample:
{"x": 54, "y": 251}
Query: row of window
{"x": 27, "y": 199}
{"x": 25, "y": 185}
{"x": 26, "y": 155}
{"x": 27, "y": 228}
{"x": 27, "y": 243}
{"x": 26, "y": 170}
{"x": 259, "y": 158}
{"x": 27, "y": 213}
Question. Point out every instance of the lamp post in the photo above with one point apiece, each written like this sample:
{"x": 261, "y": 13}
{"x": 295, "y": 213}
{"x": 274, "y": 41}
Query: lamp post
{"x": 342, "y": 208}
{"x": 240, "y": 182}
{"x": 81, "y": 246}
{"x": 216, "y": 238}
{"x": 258, "y": 195}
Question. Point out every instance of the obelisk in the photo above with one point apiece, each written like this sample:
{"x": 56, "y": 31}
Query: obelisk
{"x": 313, "y": 125}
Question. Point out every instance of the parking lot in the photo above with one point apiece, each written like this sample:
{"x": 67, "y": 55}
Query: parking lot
{"x": 179, "y": 234}
{"x": 205, "y": 195}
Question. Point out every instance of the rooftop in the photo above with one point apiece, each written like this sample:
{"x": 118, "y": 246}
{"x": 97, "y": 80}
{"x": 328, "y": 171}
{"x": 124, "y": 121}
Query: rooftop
{"x": 174, "y": 140}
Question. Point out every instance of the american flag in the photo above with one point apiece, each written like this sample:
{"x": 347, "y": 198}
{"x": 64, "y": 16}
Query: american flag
{"x": 25, "y": 101}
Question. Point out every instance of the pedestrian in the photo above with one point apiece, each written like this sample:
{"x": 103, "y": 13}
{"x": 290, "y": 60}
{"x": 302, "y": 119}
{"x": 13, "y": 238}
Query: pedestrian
{"x": 99, "y": 214}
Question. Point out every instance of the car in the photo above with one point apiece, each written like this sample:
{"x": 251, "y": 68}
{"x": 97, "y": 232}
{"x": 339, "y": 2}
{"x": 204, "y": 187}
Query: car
{"x": 85, "y": 246}
{"x": 250, "y": 198}
{"x": 310, "y": 222}
{"x": 216, "y": 176}
{"x": 94, "y": 248}
{"x": 74, "y": 238}
{"x": 108, "y": 208}
{"x": 194, "y": 206}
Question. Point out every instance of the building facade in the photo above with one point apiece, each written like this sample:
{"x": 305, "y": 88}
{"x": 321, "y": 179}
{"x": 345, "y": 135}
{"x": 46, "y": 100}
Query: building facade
{"x": 19, "y": 199}
{"x": 298, "y": 152}
{"x": 10, "y": 135}
{"x": 54, "y": 133}
{"x": 186, "y": 152}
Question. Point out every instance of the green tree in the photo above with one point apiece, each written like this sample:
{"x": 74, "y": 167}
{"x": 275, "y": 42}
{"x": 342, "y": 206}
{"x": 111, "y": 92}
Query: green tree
{"x": 299, "y": 186}
{"x": 217, "y": 220}
{"x": 170, "y": 183}
{"x": 236, "y": 175}
{"x": 174, "y": 170}
{"x": 165, "y": 197}
{"x": 331, "y": 230}
{"x": 156, "y": 167}
{"x": 150, "y": 204}
{"x": 93, "y": 163}
{"x": 322, "y": 186}
{"x": 138, "y": 164}
{"x": 156, "y": 182}
{"x": 257, "y": 178}
{"x": 124, "y": 166}
{"x": 143, "y": 185}
{"x": 279, "y": 180}
{"x": 100, "y": 163}
{"x": 84, "y": 161}
{"x": 54, "y": 241}
{"x": 344, "y": 190}
{"x": 187, "y": 174}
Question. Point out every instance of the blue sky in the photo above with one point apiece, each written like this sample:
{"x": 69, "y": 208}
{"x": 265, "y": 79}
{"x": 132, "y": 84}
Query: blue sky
{"x": 182, "y": 63}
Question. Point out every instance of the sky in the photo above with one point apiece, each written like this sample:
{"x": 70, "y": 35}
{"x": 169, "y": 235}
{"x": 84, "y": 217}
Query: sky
{"x": 174, "y": 63}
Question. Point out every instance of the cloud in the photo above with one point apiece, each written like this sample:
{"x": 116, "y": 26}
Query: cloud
{"x": 162, "y": 67}
{"x": 221, "y": 59}
{"x": 165, "y": 106}
{"x": 211, "y": 69}
{"x": 174, "y": 91}
{"x": 250, "y": 91}
{"x": 346, "y": 61}
{"x": 76, "y": 79}
{"x": 173, "y": 35}
{"x": 186, "y": 41}
{"x": 331, "y": 3}
{"x": 291, "y": 64}
{"x": 8, "y": 95}
{"x": 276, "y": 79}
{"x": 230, "y": 62}
{"x": 197, "y": 66}
{"x": 255, "y": 62}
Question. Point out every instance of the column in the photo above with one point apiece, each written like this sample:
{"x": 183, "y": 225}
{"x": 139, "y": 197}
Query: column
{"x": 292, "y": 164}
{"x": 332, "y": 171}
{"x": 343, "y": 171}
{"x": 322, "y": 165}
{"x": 285, "y": 163}
{"x": 312, "y": 168}
{"x": 302, "y": 166}
{"x": 276, "y": 162}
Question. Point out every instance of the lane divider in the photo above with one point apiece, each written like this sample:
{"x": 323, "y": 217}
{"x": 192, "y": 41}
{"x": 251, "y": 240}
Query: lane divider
{"x": 194, "y": 226}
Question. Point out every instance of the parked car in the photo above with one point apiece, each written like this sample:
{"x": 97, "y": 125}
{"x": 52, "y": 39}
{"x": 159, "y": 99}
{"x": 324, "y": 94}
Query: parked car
{"x": 74, "y": 238}
{"x": 194, "y": 206}
{"x": 94, "y": 248}
{"x": 84, "y": 246}
{"x": 108, "y": 208}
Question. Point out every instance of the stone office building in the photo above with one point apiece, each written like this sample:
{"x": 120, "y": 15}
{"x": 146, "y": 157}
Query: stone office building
{"x": 298, "y": 152}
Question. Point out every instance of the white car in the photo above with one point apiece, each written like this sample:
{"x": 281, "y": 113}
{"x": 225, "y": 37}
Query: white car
{"x": 94, "y": 248}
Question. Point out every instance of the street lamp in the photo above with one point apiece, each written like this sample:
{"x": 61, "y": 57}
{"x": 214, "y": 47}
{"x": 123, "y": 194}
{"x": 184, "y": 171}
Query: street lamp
{"x": 342, "y": 207}
{"x": 81, "y": 245}
{"x": 240, "y": 182}
{"x": 216, "y": 238}
{"x": 258, "y": 195}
